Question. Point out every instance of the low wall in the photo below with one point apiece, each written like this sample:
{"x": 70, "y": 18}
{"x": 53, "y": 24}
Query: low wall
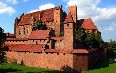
{"x": 80, "y": 62}
{"x": 55, "y": 61}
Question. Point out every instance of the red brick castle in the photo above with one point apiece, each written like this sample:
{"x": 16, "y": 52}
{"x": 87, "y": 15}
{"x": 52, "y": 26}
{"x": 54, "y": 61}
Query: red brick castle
{"x": 45, "y": 48}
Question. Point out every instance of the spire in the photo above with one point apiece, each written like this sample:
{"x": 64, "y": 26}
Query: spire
{"x": 68, "y": 18}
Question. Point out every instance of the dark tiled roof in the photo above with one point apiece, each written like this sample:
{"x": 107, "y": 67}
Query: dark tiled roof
{"x": 78, "y": 51}
{"x": 39, "y": 47}
{"x": 68, "y": 19}
{"x": 16, "y": 39}
{"x": 39, "y": 34}
{"x": 25, "y": 47}
{"x": 86, "y": 23}
{"x": 45, "y": 15}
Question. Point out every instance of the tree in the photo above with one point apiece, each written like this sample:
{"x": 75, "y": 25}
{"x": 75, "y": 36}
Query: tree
{"x": 2, "y": 37}
{"x": 112, "y": 45}
{"x": 94, "y": 40}
{"x": 2, "y": 40}
{"x": 39, "y": 26}
{"x": 112, "y": 49}
{"x": 80, "y": 34}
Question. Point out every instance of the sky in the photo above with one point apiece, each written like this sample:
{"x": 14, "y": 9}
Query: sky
{"x": 102, "y": 12}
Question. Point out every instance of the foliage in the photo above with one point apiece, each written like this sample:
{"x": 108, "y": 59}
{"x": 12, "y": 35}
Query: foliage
{"x": 112, "y": 45}
{"x": 92, "y": 40}
{"x": 61, "y": 34}
{"x": 112, "y": 49}
{"x": 80, "y": 34}
{"x": 106, "y": 66}
{"x": 2, "y": 37}
{"x": 39, "y": 26}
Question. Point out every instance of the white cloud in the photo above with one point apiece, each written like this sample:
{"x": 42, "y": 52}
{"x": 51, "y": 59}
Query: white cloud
{"x": 104, "y": 18}
{"x": 13, "y": 1}
{"x": 5, "y": 9}
{"x": 43, "y": 7}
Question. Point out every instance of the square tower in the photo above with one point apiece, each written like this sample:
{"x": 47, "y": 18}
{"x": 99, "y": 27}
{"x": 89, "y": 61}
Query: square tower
{"x": 73, "y": 11}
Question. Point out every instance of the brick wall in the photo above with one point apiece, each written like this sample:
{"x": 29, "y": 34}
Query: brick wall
{"x": 80, "y": 62}
{"x": 59, "y": 44}
{"x": 55, "y": 61}
{"x": 68, "y": 36}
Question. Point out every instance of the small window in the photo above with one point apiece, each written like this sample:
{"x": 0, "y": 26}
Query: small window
{"x": 36, "y": 42}
{"x": 27, "y": 31}
{"x": 57, "y": 53}
{"x": 24, "y": 30}
{"x": 68, "y": 25}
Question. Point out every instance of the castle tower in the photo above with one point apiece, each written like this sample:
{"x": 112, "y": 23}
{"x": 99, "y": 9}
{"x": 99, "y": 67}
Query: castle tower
{"x": 57, "y": 20}
{"x": 15, "y": 26}
{"x": 68, "y": 32}
{"x": 73, "y": 11}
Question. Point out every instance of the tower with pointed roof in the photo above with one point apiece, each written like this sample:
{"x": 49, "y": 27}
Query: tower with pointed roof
{"x": 68, "y": 32}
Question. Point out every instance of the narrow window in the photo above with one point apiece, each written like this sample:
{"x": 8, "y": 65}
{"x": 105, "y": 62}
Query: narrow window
{"x": 24, "y": 30}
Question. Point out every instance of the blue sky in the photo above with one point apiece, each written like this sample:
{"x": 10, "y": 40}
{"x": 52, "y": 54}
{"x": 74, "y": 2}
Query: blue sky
{"x": 102, "y": 12}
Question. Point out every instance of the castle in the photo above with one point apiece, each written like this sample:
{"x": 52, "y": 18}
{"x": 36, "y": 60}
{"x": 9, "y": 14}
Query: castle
{"x": 46, "y": 48}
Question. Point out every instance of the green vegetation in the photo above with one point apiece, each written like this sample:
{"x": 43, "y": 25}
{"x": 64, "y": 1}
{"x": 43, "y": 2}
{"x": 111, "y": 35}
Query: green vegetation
{"x": 61, "y": 34}
{"x": 107, "y": 66}
{"x": 80, "y": 34}
{"x": 16, "y": 68}
{"x": 2, "y": 37}
{"x": 112, "y": 49}
{"x": 39, "y": 26}
{"x": 92, "y": 40}
{"x": 2, "y": 40}
{"x": 112, "y": 45}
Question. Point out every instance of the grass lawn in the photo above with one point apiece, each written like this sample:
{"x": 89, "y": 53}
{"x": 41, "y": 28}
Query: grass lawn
{"x": 15, "y": 68}
{"x": 107, "y": 66}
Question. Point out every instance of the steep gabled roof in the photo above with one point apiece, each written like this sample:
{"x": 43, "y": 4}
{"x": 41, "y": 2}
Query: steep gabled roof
{"x": 87, "y": 23}
{"x": 68, "y": 18}
{"x": 45, "y": 15}
{"x": 39, "y": 34}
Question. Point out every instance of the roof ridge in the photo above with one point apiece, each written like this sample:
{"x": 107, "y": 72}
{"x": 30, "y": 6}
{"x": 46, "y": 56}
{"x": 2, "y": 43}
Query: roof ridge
{"x": 68, "y": 18}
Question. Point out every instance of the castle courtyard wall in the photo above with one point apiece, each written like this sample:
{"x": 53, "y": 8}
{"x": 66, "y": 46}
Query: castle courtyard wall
{"x": 55, "y": 61}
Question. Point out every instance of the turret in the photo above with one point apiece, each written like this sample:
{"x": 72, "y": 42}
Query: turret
{"x": 68, "y": 32}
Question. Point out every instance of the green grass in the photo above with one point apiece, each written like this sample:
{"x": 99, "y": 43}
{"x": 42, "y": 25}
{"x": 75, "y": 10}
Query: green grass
{"x": 107, "y": 66}
{"x": 15, "y": 68}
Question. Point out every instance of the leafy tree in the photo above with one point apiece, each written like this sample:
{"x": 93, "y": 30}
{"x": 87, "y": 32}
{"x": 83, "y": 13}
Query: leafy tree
{"x": 2, "y": 37}
{"x": 112, "y": 49}
{"x": 2, "y": 40}
{"x": 39, "y": 26}
{"x": 112, "y": 45}
{"x": 94, "y": 40}
{"x": 80, "y": 34}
